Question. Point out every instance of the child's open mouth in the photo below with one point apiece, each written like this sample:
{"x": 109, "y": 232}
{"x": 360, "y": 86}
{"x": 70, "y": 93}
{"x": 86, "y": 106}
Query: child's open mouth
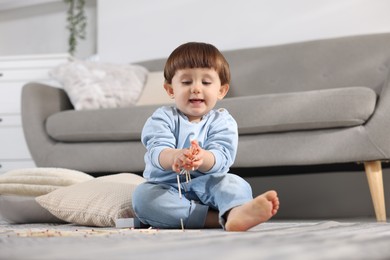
{"x": 196, "y": 101}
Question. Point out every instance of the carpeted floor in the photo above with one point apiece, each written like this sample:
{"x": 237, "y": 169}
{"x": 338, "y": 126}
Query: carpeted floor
{"x": 272, "y": 240}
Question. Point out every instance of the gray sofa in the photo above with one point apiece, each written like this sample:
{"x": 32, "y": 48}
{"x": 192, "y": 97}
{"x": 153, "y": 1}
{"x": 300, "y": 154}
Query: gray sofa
{"x": 310, "y": 103}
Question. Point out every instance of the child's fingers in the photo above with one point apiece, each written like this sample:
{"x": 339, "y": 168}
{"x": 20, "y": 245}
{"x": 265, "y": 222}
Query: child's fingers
{"x": 188, "y": 153}
{"x": 196, "y": 164}
{"x": 179, "y": 163}
{"x": 195, "y": 144}
{"x": 176, "y": 168}
{"x": 195, "y": 148}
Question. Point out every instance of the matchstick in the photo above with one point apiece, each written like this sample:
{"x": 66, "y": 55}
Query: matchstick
{"x": 178, "y": 185}
{"x": 182, "y": 225}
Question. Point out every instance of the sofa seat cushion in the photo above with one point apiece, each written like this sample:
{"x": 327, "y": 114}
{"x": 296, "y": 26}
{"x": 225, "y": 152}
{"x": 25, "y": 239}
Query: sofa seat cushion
{"x": 318, "y": 109}
{"x": 117, "y": 124}
{"x": 330, "y": 108}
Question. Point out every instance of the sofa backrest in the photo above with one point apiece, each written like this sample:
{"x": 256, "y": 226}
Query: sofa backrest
{"x": 361, "y": 60}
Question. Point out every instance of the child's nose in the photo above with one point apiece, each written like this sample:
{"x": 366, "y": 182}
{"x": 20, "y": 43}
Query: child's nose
{"x": 195, "y": 89}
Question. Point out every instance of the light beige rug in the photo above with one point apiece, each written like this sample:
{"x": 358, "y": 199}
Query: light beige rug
{"x": 272, "y": 240}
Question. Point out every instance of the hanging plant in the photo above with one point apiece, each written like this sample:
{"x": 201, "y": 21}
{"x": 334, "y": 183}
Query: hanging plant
{"x": 77, "y": 23}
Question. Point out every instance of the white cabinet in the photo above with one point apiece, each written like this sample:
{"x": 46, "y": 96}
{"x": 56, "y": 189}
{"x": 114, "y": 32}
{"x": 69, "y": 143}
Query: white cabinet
{"x": 15, "y": 71}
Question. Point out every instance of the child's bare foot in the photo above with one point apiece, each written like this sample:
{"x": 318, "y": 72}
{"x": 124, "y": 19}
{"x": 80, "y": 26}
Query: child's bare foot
{"x": 252, "y": 213}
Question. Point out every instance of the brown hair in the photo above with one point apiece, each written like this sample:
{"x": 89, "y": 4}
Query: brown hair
{"x": 197, "y": 55}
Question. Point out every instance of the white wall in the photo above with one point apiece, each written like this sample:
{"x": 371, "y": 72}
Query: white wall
{"x": 133, "y": 30}
{"x": 39, "y": 27}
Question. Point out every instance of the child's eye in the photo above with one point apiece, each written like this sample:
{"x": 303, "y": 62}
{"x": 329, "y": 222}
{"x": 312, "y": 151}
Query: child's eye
{"x": 206, "y": 82}
{"x": 186, "y": 82}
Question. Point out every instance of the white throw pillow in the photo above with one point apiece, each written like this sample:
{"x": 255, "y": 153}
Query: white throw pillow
{"x": 19, "y": 188}
{"x": 16, "y": 209}
{"x": 94, "y": 85}
{"x": 39, "y": 181}
{"x": 153, "y": 92}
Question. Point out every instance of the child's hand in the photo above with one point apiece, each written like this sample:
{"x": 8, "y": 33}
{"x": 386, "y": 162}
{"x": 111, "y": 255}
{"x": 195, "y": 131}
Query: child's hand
{"x": 189, "y": 159}
{"x": 196, "y": 155}
{"x": 182, "y": 160}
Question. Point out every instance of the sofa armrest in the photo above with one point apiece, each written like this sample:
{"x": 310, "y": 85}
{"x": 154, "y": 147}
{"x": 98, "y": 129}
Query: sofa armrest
{"x": 378, "y": 125}
{"x": 38, "y": 102}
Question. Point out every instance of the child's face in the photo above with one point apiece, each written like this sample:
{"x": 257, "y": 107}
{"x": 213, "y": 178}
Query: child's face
{"x": 196, "y": 91}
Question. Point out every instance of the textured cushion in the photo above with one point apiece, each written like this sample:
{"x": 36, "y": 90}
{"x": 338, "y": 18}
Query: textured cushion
{"x": 93, "y": 85}
{"x": 153, "y": 92}
{"x": 39, "y": 181}
{"x": 17, "y": 209}
{"x": 98, "y": 202}
{"x": 319, "y": 109}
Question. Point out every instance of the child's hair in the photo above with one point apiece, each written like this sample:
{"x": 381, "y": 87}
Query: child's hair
{"x": 197, "y": 55}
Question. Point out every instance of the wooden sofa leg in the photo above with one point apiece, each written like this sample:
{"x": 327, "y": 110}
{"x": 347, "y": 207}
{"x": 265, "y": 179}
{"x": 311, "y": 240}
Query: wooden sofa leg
{"x": 375, "y": 182}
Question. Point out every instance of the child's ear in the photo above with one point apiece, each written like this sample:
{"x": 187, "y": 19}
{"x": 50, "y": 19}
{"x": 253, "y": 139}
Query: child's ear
{"x": 223, "y": 90}
{"x": 169, "y": 90}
